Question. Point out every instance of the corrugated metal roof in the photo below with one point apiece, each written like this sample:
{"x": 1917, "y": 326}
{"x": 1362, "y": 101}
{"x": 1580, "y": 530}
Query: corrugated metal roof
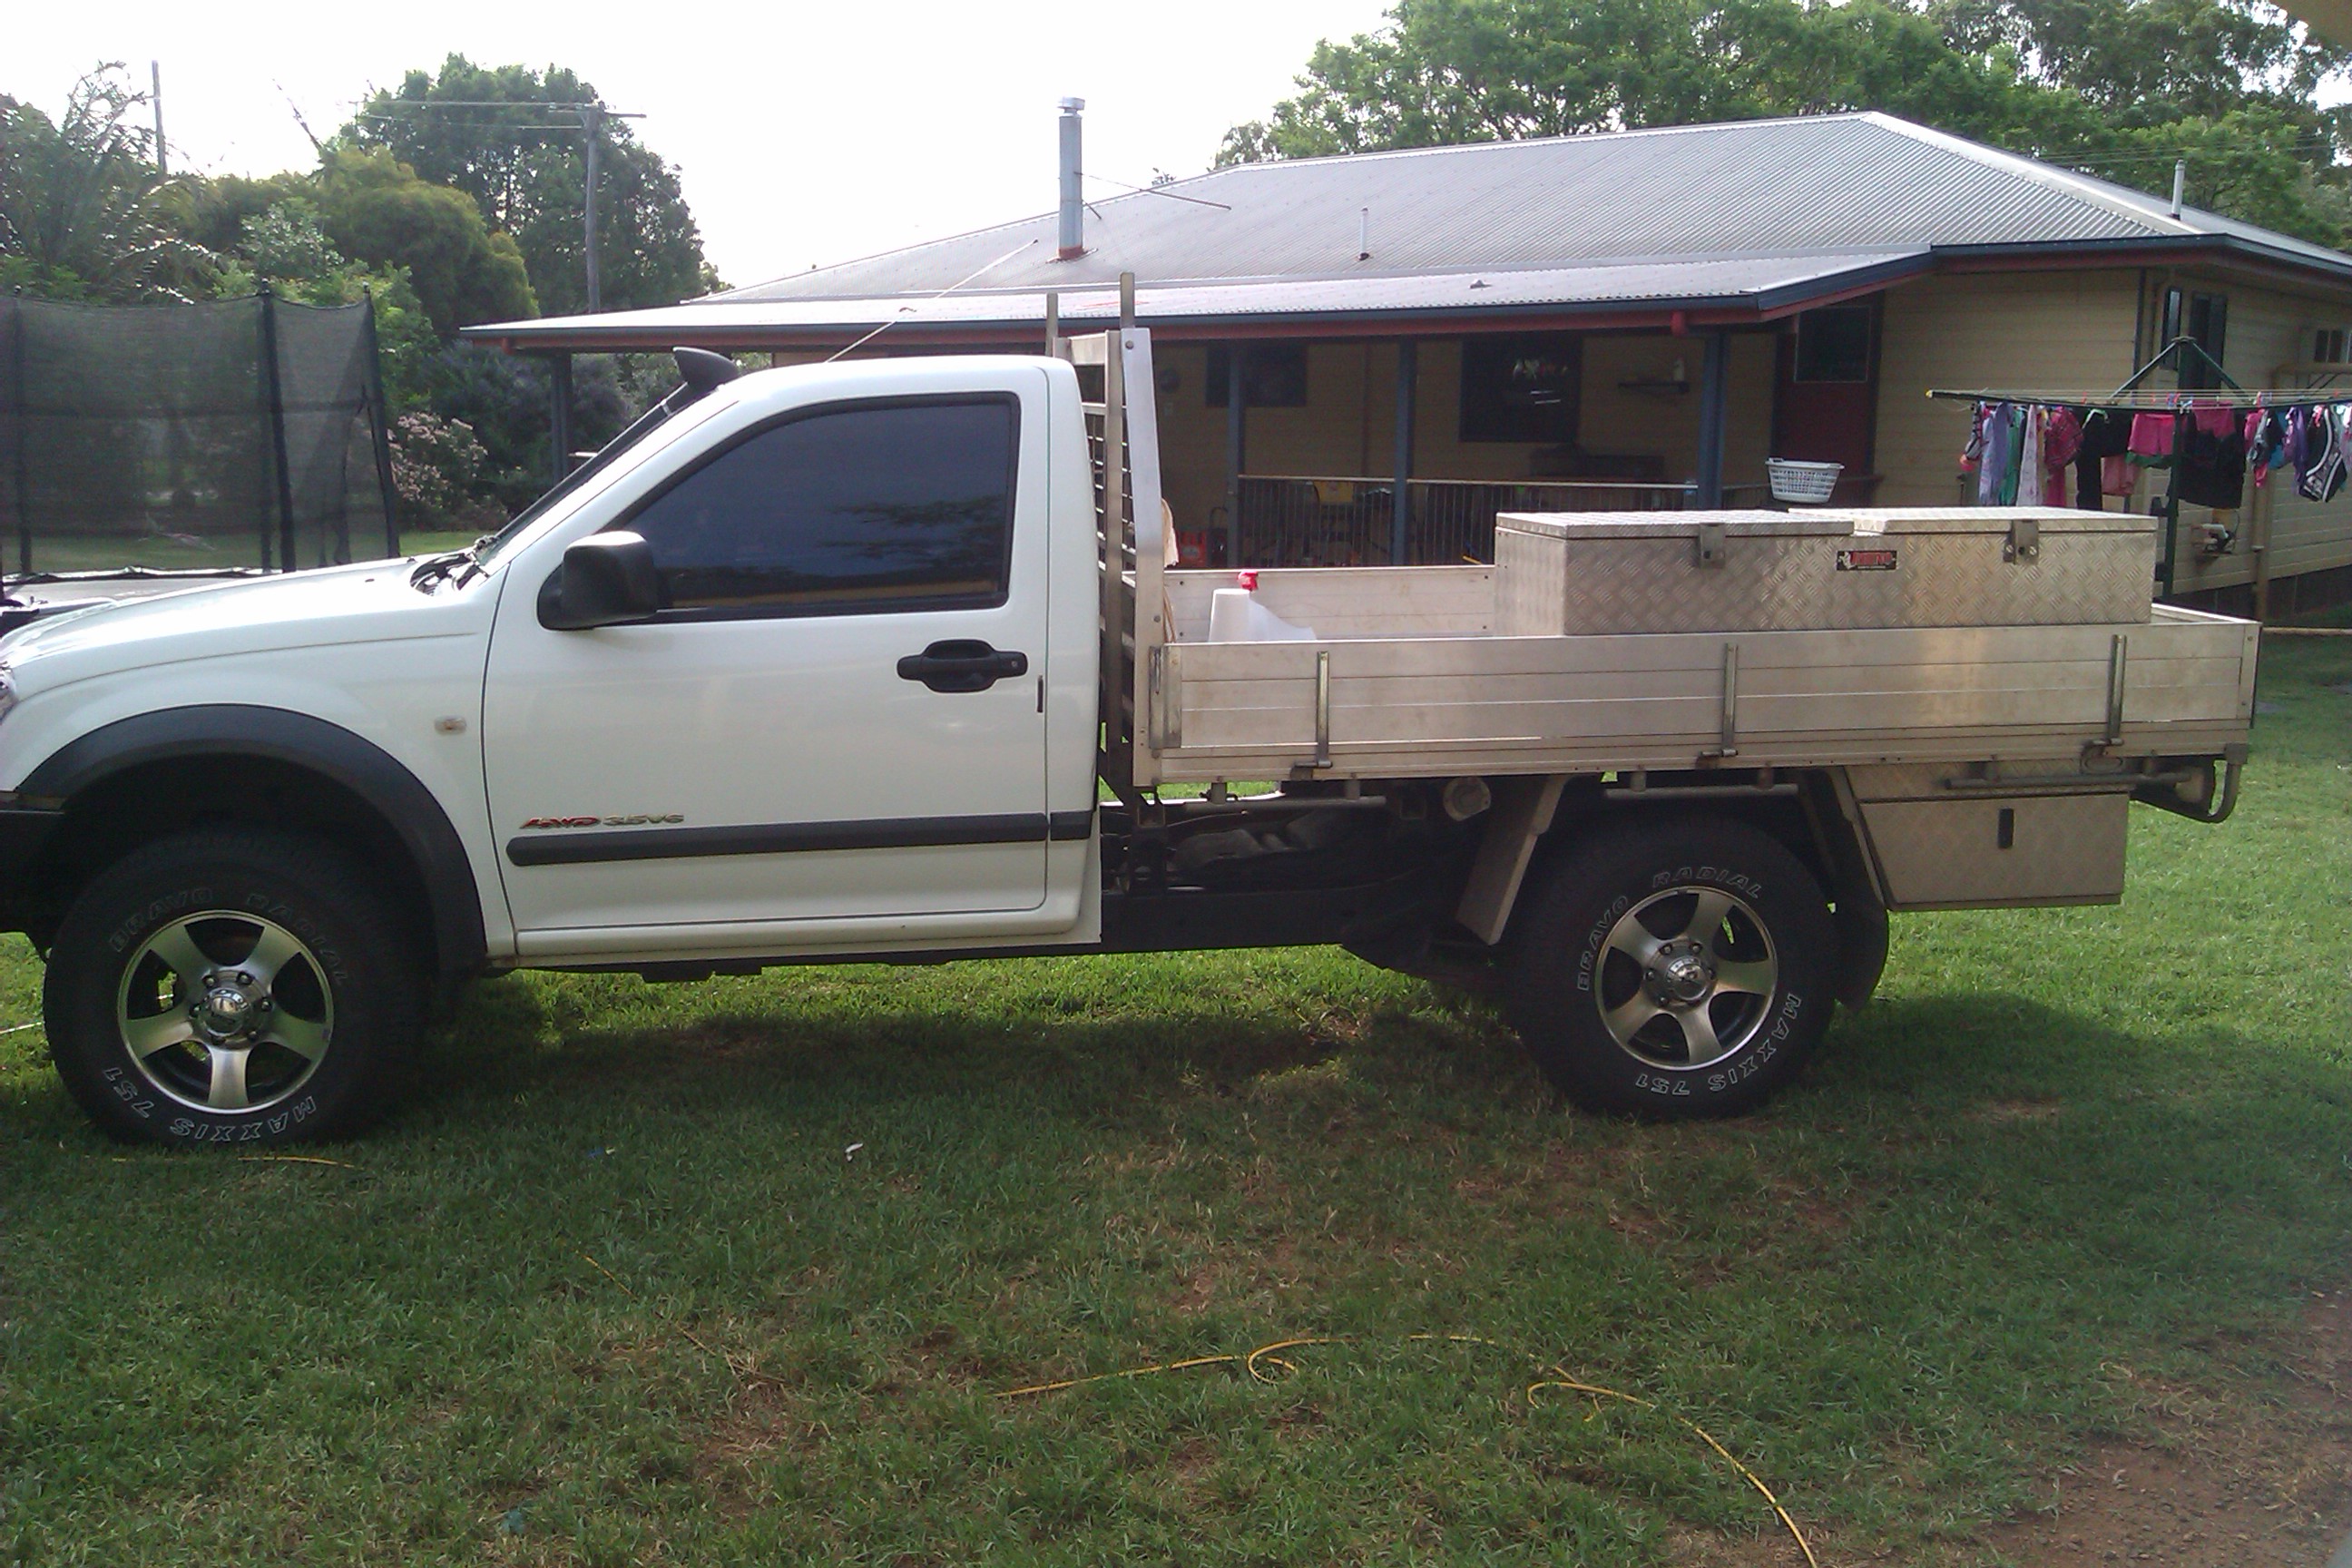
{"x": 1830, "y": 182}
{"x": 1759, "y": 282}
{"x": 1759, "y": 214}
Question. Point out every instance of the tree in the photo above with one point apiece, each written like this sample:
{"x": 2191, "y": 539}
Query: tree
{"x": 2120, "y": 88}
{"x": 82, "y": 204}
{"x": 375, "y": 210}
{"x": 287, "y": 247}
{"x": 525, "y": 164}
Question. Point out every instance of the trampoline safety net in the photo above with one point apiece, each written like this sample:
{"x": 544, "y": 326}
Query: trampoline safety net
{"x": 228, "y": 435}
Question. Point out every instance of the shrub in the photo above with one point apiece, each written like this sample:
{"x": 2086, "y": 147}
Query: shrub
{"x": 436, "y": 463}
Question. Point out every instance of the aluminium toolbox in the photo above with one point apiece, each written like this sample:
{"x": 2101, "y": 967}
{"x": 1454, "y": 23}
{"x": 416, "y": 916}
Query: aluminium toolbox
{"x": 1821, "y": 569}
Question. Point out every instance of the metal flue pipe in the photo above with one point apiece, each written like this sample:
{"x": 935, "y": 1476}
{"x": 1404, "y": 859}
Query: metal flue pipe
{"x": 1074, "y": 209}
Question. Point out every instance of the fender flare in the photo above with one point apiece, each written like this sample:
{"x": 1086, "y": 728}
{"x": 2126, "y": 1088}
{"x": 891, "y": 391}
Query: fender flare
{"x": 278, "y": 734}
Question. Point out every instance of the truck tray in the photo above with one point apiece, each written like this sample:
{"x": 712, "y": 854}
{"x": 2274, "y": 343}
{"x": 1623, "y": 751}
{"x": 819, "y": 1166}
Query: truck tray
{"x": 2178, "y": 682}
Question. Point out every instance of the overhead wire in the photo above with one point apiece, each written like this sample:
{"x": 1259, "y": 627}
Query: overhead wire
{"x": 1160, "y": 191}
{"x": 908, "y": 310}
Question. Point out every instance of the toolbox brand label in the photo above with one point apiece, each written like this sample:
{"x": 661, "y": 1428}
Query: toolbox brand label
{"x": 1880, "y": 560}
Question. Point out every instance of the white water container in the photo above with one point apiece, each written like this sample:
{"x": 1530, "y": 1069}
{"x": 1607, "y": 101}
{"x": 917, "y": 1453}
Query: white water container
{"x": 1236, "y": 616}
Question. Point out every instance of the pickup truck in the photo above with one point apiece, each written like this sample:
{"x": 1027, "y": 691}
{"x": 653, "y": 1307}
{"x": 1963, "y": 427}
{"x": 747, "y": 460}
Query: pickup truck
{"x": 888, "y": 660}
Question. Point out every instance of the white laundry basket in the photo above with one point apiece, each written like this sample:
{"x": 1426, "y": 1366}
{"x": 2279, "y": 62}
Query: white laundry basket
{"x": 1802, "y": 482}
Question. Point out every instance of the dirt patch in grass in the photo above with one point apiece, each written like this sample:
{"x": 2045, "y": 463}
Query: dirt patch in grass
{"x": 1998, "y": 1111}
{"x": 2246, "y": 1490}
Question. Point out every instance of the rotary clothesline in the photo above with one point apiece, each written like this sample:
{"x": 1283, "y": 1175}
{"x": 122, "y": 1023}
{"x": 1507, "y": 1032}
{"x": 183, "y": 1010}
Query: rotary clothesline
{"x": 2208, "y": 437}
{"x": 2021, "y": 451}
{"x": 2241, "y": 399}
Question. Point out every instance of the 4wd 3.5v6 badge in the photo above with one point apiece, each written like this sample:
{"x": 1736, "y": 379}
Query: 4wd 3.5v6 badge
{"x": 637, "y": 819}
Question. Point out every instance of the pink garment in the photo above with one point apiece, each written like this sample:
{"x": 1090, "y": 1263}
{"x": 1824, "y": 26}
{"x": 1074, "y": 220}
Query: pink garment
{"x": 2061, "y": 439}
{"x": 2118, "y": 475}
{"x": 2213, "y": 421}
{"x": 2151, "y": 435}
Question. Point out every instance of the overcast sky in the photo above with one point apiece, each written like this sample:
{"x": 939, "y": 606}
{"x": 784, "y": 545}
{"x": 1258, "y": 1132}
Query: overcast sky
{"x": 805, "y": 132}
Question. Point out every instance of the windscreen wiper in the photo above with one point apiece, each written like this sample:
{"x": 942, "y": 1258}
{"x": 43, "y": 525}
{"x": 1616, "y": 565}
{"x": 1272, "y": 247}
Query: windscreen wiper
{"x": 433, "y": 568}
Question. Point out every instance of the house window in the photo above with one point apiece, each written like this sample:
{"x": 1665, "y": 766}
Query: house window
{"x": 2204, "y": 320}
{"x": 2328, "y": 345}
{"x": 1521, "y": 388}
{"x": 862, "y": 508}
{"x": 1833, "y": 344}
{"x": 1277, "y": 373}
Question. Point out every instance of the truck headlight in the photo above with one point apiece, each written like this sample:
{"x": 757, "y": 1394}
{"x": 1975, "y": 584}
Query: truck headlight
{"x": 7, "y": 689}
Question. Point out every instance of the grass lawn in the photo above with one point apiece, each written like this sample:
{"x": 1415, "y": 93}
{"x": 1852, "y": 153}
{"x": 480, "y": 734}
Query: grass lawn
{"x": 616, "y": 1290}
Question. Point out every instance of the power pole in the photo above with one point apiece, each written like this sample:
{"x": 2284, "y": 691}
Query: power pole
{"x": 155, "y": 96}
{"x": 592, "y": 118}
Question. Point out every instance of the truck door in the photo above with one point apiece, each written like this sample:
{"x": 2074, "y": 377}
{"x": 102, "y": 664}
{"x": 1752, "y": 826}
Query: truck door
{"x": 835, "y": 731}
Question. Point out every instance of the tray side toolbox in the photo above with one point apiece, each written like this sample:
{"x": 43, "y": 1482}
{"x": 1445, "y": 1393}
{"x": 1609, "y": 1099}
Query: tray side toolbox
{"x": 1999, "y": 851}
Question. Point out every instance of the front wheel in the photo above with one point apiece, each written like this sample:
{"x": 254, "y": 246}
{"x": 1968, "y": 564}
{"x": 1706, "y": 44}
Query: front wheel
{"x": 230, "y": 986}
{"x": 1675, "y": 970}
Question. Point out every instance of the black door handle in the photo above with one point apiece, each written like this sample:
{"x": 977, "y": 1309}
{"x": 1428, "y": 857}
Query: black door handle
{"x": 961, "y": 664}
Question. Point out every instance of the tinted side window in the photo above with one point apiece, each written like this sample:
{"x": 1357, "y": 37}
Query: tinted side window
{"x": 851, "y": 512}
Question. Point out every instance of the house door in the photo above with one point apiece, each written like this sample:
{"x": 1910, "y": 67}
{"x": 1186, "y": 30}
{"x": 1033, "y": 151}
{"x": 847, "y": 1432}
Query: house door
{"x": 1825, "y": 399}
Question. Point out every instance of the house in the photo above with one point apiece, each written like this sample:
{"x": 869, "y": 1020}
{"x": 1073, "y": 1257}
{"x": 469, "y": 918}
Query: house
{"x": 1636, "y": 319}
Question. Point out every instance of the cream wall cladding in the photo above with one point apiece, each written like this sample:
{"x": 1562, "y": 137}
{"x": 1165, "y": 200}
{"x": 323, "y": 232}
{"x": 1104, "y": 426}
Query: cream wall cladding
{"x": 2012, "y": 331}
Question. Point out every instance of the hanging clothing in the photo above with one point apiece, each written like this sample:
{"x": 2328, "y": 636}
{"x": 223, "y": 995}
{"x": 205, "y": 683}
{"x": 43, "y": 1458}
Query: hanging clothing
{"x": 2013, "y": 451}
{"x": 2030, "y": 471}
{"x": 2321, "y": 473}
{"x": 2106, "y": 434}
{"x": 2275, "y": 422}
{"x": 2152, "y": 438}
{"x": 1996, "y": 455}
{"x": 2266, "y": 439}
{"x": 2212, "y": 469}
{"x": 1984, "y": 454}
{"x": 2062, "y": 437}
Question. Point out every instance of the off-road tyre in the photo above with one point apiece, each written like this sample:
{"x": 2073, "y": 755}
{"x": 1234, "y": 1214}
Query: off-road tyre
{"x": 299, "y": 997}
{"x": 1574, "y": 977}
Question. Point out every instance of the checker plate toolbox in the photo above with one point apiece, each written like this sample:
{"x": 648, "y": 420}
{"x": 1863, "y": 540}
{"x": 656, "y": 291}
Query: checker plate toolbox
{"x": 1821, "y": 570}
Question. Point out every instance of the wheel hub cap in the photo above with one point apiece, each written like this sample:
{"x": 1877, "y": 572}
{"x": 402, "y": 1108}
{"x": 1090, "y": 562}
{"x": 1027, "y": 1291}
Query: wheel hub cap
{"x": 1684, "y": 976}
{"x": 227, "y": 1012}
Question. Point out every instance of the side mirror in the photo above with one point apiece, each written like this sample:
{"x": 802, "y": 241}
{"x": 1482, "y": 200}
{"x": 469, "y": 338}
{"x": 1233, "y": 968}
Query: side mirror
{"x": 606, "y": 580}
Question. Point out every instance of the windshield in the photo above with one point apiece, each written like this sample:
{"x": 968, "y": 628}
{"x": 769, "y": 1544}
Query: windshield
{"x": 488, "y": 548}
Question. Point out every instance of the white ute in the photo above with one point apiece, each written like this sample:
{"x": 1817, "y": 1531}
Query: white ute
{"x": 884, "y": 659}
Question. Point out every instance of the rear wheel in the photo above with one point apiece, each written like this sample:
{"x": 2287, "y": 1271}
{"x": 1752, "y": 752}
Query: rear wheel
{"x": 1682, "y": 969}
{"x": 229, "y": 986}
